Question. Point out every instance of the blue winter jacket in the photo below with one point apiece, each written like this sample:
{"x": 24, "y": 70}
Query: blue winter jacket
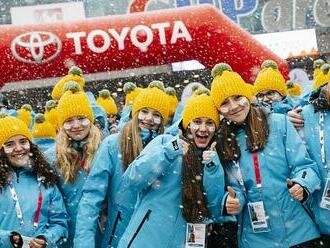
{"x": 125, "y": 116}
{"x": 72, "y": 193}
{"x": 281, "y": 107}
{"x": 103, "y": 183}
{"x": 44, "y": 143}
{"x": 53, "y": 217}
{"x": 285, "y": 156}
{"x": 312, "y": 138}
{"x": 156, "y": 175}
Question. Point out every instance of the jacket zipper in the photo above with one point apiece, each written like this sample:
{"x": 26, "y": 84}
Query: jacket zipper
{"x": 146, "y": 217}
{"x": 118, "y": 218}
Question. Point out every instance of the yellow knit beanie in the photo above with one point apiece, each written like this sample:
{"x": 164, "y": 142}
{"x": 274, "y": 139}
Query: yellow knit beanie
{"x": 42, "y": 128}
{"x": 154, "y": 98}
{"x": 227, "y": 83}
{"x": 270, "y": 78}
{"x": 200, "y": 105}
{"x": 24, "y": 114}
{"x": 317, "y": 67}
{"x": 74, "y": 74}
{"x": 172, "y": 100}
{"x": 106, "y": 101}
{"x": 131, "y": 91}
{"x": 51, "y": 113}
{"x": 11, "y": 126}
{"x": 323, "y": 77}
{"x": 294, "y": 89}
{"x": 74, "y": 102}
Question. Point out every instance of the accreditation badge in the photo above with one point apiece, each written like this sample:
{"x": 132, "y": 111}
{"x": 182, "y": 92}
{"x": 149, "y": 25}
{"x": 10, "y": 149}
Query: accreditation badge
{"x": 195, "y": 235}
{"x": 325, "y": 201}
{"x": 258, "y": 217}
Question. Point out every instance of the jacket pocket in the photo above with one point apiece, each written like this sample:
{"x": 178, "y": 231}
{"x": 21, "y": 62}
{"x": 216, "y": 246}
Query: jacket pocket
{"x": 144, "y": 219}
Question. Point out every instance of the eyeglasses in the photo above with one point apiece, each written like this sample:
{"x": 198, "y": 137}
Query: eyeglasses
{"x": 144, "y": 114}
{"x": 10, "y": 146}
{"x": 271, "y": 95}
{"x": 198, "y": 124}
{"x": 81, "y": 121}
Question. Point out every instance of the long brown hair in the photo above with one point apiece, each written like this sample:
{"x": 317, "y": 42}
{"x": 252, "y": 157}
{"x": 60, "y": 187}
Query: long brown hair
{"x": 68, "y": 158}
{"x": 257, "y": 130}
{"x": 193, "y": 197}
{"x": 40, "y": 167}
{"x": 130, "y": 141}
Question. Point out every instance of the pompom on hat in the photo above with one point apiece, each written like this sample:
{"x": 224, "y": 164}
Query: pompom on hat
{"x": 12, "y": 126}
{"x": 74, "y": 102}
{"x": 107, "y": 102}
{"x": 227, "y": 83}
{"x": 317, "y": 67}
{"x": 42, "y": 128}
{"x": 131, "y": 91}
{"x": 200, "y": 105}
{"x": 152, "y": 97}
{"x": 24, "y": 114}
{"x": 322, "y": 78}
{"x": 270, "y": 78}
{"x": 74, "y": 74}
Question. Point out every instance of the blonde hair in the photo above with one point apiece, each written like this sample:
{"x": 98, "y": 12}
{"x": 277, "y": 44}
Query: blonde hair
{"x": 130, "y": 141}
{"x": 68, "y": 159}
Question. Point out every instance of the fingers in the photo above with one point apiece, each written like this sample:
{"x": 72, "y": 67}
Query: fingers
{"x": 231, "y": 192}
{"x": 213, "y": 145}
{"x": 289, "y": 182}
{"x": 296, "y": 118}
{"x": 185, "y": 146}
{"x": 37, "y": 243}
{"x": 297, "y": 192}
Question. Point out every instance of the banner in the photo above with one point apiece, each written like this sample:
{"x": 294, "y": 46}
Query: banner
{"x": 202, "y": 33}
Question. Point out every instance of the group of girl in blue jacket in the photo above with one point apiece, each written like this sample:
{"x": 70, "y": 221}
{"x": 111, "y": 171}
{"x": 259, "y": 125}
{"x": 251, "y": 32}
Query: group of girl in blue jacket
{"x": 232, "y": 156}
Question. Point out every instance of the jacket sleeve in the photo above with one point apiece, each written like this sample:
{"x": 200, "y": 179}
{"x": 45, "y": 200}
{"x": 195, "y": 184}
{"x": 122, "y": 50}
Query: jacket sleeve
{"x": 94, "y": 193}
{"x": 57, "y": 230}
{"x": 232, "y": 182}
{"x": 152, "y": 162}
{"x": 303, "y": 168}
{"x": 214, "y": 186}
{"x": 4, "y": 239}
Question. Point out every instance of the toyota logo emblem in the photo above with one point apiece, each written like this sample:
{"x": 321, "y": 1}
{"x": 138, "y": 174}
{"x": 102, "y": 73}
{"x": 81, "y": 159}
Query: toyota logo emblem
{"x": 36, "y": 47}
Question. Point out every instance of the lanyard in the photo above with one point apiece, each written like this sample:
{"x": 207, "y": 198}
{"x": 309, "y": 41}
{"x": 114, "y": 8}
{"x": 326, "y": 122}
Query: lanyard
{"x": 321, "y": 123}
{"x": 18, "y": 209}
{"x": 256, "y": 169}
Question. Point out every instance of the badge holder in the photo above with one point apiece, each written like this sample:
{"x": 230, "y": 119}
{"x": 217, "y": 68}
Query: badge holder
{"x": 325, "y": 201}
{"x": 195, "y": 235}
{"x": 258, "y": 217}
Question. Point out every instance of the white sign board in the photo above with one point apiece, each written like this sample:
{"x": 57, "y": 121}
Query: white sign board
{"x": 48, "y": 13}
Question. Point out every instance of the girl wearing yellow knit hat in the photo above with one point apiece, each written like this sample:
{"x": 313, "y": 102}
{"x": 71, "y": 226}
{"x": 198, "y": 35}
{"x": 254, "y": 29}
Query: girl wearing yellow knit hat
{"x": 31, "y": 206}
{"x": 76, "y": 144}
{"x": 271, "y": 90}
{"x": 116, "y": 153}
{"x": 43, "y": 132}
{"x": 268, "y": 168}
{"x": 179, "y": 177}
{"x": 108, "y": 103}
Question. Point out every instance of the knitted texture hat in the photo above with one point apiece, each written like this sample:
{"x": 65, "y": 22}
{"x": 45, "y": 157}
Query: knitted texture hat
{"x": 11, "y": 126}
{"x": 74, "y": 74}
{"x": 106, "y": 101}
{"x": 323, "y": 77}
{"x": 24, "y": 114}
{"x": 74, "y": 102}
{"x": 294, "y": 89}
{"x": 172, "y": 99}
{"x": 153, "y": 98}
{"x": 200, "y": 105}
{"x": 51, "y": 115}
{"x": 131, "y": 91}
{"x": 227, "y": 83}
{"x": 42, "y": 128}
{"x": 317, "y": 67}
{"x": 270, "y": 78}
